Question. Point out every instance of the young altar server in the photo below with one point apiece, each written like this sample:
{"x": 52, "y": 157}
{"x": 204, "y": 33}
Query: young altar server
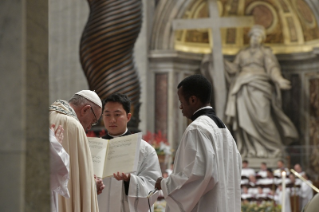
{"x": 127, "y": 192}
{"x": 207, "y": 165}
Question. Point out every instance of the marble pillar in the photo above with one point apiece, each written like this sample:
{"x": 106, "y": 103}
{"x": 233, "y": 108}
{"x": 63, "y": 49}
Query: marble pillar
{"x": 24, "y": 122}
{"x": 66, "y": 23}
{"x": 169, "y": 68}
{"x": 67, "y": 19}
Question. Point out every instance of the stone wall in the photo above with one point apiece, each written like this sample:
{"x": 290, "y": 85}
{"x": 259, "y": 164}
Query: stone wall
{"x": 24, "y": 93}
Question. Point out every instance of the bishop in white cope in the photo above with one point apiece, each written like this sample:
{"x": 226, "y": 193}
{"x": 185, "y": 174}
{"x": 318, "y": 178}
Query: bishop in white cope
{"x": 207, "y": 166}
{"x": 76, "y": 116}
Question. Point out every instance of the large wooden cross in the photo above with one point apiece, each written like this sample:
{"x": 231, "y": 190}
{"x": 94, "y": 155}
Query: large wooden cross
{"x": 214, "y": 22}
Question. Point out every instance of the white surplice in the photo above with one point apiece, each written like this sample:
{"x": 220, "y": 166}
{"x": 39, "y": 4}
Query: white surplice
{"x": 279, "y": 199}
{"x": 142, "y": 182}
{"x": 60, "y": 162}
{"x": 306, "y": 193}
{"x": 207, "y": 171}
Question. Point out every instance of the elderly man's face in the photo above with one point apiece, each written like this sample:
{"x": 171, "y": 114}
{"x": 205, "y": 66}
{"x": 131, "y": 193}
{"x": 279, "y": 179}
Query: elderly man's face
{"x": 256, "y": 39}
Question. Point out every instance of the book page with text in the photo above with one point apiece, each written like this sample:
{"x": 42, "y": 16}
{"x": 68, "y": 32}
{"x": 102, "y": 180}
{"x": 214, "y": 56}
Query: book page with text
{"x": 98, "y": 147}
{"x": 122, "y": 154}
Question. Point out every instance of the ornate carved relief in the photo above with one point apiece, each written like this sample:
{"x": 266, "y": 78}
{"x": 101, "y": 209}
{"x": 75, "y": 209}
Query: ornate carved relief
{"x": 265, "y": 14}
{"x": 314, "y": 123}
{"x": 292, "y": 29}
{"x": 231, "y": 36}
{"x": 307, "y": 20}
{"x": 270, "y": 13}
{"x": 284, "y": 6}
{"x": 161, "y": 110}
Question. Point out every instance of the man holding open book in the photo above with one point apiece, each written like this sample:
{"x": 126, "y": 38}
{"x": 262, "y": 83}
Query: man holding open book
{"x": 127, "y": 192}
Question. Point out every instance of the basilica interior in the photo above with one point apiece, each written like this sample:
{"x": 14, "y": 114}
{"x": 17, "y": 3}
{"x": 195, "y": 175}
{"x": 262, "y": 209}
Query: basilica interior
{"x": 52, "y": 49}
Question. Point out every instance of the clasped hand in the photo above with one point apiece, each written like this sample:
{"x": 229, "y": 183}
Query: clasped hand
{"x": 99, "y": 184}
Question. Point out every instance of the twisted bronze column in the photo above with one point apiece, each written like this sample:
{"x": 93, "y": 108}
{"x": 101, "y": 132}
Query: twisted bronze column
{"x": 106, "y": 50}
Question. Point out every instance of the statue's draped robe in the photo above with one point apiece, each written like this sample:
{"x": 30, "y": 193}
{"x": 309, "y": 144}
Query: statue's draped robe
{"x": 254, "y": 104}
{"x": 82, "y": 187}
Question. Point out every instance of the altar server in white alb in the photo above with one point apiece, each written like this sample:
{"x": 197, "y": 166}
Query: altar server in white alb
{"x": 59, "y": 166}
{"x": 127, "y": 192}
{"x": 207, "y": 166}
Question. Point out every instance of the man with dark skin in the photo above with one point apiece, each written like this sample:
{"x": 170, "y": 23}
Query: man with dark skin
{"x": 207, "y": 165}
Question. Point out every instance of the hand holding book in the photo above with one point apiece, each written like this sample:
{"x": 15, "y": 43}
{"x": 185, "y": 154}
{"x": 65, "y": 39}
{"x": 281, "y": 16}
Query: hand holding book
{"x": 117, "y": 155}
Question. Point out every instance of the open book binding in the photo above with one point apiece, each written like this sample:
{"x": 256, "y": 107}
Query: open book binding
{"x": 117, "y": 155}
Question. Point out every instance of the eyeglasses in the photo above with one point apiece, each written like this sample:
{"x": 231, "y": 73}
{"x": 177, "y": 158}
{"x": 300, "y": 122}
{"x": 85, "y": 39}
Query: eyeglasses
{"x": 95, "y": 123}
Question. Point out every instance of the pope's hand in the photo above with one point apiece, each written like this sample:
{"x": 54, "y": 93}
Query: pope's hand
{"x": 122, "y": 176}
{"x": 99, "y": 184}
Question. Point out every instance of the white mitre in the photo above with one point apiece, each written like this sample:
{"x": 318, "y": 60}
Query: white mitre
{"x": 91, "y": 96}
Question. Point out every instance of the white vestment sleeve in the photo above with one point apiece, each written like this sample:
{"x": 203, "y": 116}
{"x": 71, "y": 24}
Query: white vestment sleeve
{"x": 60, "y": 163}
{"x": 143, "y": 182}
{"x": 194, "y": 174}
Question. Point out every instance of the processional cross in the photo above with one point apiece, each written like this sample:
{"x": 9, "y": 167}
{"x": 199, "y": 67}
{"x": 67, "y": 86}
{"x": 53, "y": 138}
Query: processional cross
{"x": 214, "y": 22}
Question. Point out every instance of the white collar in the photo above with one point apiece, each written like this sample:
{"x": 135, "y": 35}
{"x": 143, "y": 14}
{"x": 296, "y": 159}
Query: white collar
{"x": 206, "y": 107}
{"x": 115, "y": 136}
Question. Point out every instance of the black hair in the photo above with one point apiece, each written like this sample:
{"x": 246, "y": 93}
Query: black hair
{"x": 269, "y": 170}
{"x": 245, "y": 161}
{"x": 308, "y": 176}
{"x": 196, "y": 85}
{"x": 120, "y": 98}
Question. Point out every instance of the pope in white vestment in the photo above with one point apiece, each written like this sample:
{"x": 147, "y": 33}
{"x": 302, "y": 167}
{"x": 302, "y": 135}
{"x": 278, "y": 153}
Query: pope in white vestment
{"x": 141, "y": 183}
{"x": 82, "y": 187}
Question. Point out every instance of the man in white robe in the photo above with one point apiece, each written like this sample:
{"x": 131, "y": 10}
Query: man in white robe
{"x": 79, "y": 114}
{"x": 207, "y": 165}
{"x": 306, "y": 192}
{"x": 313, "y": 205}
{"x": 60, "y": 162}
{"x": 127, "y": 192}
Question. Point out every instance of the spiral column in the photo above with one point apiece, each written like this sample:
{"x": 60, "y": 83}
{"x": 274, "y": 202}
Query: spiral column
{"x": 106, "y": 50}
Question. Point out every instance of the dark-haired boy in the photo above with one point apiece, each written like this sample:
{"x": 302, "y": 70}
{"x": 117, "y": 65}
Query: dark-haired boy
{"x": 127, "y": 192}
{"x": 207, "y": 165}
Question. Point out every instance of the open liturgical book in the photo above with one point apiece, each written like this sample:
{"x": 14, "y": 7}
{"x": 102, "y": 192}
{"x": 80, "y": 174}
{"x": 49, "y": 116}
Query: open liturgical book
{"x": 117, "y": 155}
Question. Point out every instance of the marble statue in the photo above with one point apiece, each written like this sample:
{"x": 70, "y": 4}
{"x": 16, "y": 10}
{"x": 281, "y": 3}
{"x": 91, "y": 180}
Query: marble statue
{"x": 253, "y": 108}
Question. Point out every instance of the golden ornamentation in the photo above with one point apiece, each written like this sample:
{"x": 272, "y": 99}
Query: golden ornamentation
{"x": 314, "y": 123}
{"x": 290, "y": 26}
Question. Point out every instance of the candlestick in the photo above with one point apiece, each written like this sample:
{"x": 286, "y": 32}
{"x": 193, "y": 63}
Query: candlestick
{"x": 283, "y": 191}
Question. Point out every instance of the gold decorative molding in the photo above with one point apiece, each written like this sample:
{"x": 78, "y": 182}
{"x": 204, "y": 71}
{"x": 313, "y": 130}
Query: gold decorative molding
{"x": 290, "y": 26}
